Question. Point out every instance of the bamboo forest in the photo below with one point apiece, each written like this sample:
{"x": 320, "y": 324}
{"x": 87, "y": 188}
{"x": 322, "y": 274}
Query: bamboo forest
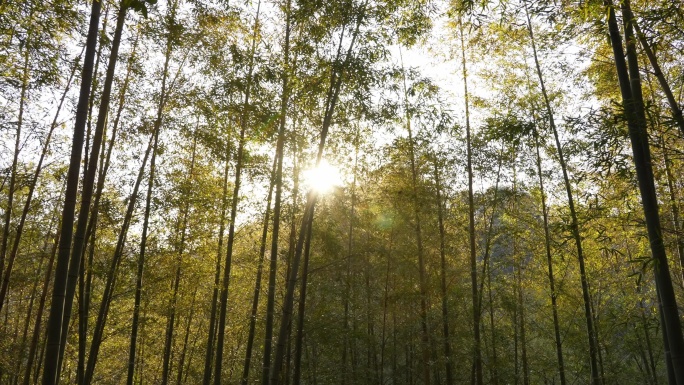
{"x": 349, "y": 192}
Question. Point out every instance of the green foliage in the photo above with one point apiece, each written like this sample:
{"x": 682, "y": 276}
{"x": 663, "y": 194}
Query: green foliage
{"x": 364, "y": 296}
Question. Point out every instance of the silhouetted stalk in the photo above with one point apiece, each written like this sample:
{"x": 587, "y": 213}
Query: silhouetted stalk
{"x": 664, "y": 85}
{"x": 331, "y": 102}
{"x": 275, "y": 234}
{"x": 350, "y": 239}
{"x": 632, "y": 99}
{"x": 257, "y": 283}
{"x": 300, "y": 313}
{"x": 57, "y": 308}
{"x": 88, "y": 182}
{"x": 596, "y": 378}
{"x": 171, "y": 317}
{"x": 15, "y": 158}
{"x": 141, "y": 261}
{"x": 233, "y": 209}
{"x": 217, "y": 278}
{"x": 32, "y": 188}
{"x": 422, "y": 275}
{"x": 549, "y": 260}
{"x": 477, "y": 364}
{"x": 110, "y": 284}
{"x": 443, "y": 285}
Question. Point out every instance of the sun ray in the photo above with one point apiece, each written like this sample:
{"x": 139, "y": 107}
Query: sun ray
{"x": 323, "y": 178}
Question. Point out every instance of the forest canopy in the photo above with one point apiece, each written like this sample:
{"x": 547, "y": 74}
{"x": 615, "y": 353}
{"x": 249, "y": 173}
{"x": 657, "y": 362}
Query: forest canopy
{"x": 341, "y": 192}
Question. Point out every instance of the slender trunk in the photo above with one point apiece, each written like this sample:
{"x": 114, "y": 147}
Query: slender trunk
{"x": 171, "y": 321}
{"x": 671, "y": 101}
{"x": 674, "y": 210}
{"x": 671, "y": 183}
{"x": 425, "y": 334}
{"x": 443, "y": 270}
{"x": 217, "y": 277}
{"x": 630, "y": 87}
{"x": 487, "y": 268}
{"x": 140, "y": 356}
{"x": 86, "y": 276}
{"x": 488, "y": 264}
{"x": 98, "y": 332}
{"x": 27, "y": 321}
{"x": 644, "y": 325}
{"x": 331, "y": 102}
{"x": 197, "y": 336}
{"x": 385, "y": 303}
{"x": 350, "y": 239}
{"x": 181, "y": 361}
{"x": 102, "y": 42}
{"x": 371, "y": 356}
{"x": 15, "y": 159}
{"x": 157, "y": 126}
{"x": 141, "y": 261}
{"x": 270, "y": 301}
{"x": 520, "y": 304}
{"x": 39, "y": 313}
{"x": 40, "y": 360}
{"x": 669, "y": 365}
{"x": 523, "y": 333}
{"x": 29, "y": 313}
{"x": 300, "y": 314}
{"x": 515, "y": 338}
{"x": 591, "y": 332}
{"x": 233, "y": 207}
{"x": 549, "y": 262}
{"x": 293, "y": 237}
{"x": 471, "y": 223}
{"x": 257, "y": 283}
{"x": 27, "y": 205}
{"x": 87, "y": 191}
{"x": 57, "y": 310}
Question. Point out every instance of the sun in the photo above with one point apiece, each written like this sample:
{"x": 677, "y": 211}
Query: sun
{"x": 323, "y": 178}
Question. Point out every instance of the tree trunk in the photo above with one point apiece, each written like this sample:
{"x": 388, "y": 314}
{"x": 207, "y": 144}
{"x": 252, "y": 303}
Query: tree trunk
{"x": 350, "y": 239}
{"x": 674, "y": 106}
{"x": 233, "y": 207}
{"x": 98, "y": 332}
{"x": 27, "y": 205}
{"x": 385, "y": 303}
{"x": 87, "y": 191}
{"x": 471, "y": 223}
{"x": 299, "y": 338}
{"x": 141, "y": 261}
{"x": 331, "y": 102}
{"x": 181, "y": 361}
{"x": 448, "y": 363}
{"x": 102, "y": 42}
{"x": 217, "y": 278}
{"x": 57, "y": 311}
{"x": 674, "y": 210}
{"x": 425, "y": 334}
{"x": 257, "y": 283}
{"x": 85, "y": 274}
{"x": 549, "y": 261}
{"x": 632, "y": 99}
{"x": 29, "y": 313}
{"x": 15, "y": 158}
{"x": 487, "y": 267}
{"x": 171, "y": 320}
{"x": 143, "y": 241}
{"x": 270, "y": 301}
{"x": 35, "y": 339}
{"x": 586, "y": 296}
